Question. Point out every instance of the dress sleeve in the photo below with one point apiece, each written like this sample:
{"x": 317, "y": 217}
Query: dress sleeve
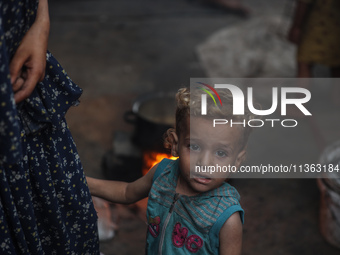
{"x": 161, "y": 166}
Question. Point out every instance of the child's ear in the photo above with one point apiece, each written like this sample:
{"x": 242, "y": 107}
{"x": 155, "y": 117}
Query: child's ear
{"x": 174, "y": 145}
{"x": 241, "y": 157}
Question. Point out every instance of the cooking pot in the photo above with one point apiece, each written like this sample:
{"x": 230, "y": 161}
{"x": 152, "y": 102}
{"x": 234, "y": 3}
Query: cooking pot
{"x": 152, "y": 115}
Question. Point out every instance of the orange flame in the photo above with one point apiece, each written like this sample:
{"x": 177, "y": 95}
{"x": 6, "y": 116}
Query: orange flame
{"x": 151, "y": 158}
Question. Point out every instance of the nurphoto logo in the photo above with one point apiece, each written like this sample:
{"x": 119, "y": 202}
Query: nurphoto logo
{"x": 288, "y": 97}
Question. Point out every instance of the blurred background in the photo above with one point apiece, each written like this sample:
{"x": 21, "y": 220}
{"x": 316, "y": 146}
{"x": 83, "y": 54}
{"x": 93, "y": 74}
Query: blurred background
{"x": 122, "y": 52}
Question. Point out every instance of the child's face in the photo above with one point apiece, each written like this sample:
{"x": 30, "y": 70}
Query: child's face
{"x": 205, "y": 145}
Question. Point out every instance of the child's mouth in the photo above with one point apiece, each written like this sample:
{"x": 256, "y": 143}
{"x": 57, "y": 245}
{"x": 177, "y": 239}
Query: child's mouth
{"x": 202, "y": 179}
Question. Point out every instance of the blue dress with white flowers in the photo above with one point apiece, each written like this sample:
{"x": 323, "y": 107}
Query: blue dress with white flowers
{"x": 45, "y": 204}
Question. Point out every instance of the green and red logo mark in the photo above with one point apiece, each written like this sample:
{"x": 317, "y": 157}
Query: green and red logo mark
{"x": 209, "y": 93}
{"x": 204, "y": 97}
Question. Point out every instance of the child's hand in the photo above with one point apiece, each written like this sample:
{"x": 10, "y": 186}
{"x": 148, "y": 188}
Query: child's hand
{"x": 88, "y": 180}
{"x": 122, "y": 192}
{"x": 90, "y": 183}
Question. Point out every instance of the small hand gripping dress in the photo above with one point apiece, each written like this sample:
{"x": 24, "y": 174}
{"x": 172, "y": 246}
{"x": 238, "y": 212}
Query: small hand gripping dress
{"x": 45, "y": 204}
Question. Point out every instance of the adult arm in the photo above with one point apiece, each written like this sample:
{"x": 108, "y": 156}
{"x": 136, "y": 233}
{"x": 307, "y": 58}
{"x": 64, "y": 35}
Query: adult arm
{"x": 27, "y": 66}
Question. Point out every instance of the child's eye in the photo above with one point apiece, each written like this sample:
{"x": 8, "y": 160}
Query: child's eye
{"x": 194, "y": 147}
{"x": 221, "y": 154}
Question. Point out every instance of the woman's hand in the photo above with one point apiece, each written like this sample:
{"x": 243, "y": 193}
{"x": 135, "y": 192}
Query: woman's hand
{"x": 27, "y": 67}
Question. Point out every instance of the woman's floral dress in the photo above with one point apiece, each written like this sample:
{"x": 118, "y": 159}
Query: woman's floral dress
{"x": 45, "y": 204}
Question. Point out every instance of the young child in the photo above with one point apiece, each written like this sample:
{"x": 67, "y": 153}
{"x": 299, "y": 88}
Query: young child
{"x": 190, "y": 213}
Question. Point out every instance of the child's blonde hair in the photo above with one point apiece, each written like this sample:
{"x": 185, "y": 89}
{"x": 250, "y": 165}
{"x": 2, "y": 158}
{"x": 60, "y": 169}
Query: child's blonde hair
{"x": 189, "y": 104}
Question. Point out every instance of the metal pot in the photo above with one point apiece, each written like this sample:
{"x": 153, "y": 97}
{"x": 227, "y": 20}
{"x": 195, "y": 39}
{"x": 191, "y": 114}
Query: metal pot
{"x": 152, "y": 115}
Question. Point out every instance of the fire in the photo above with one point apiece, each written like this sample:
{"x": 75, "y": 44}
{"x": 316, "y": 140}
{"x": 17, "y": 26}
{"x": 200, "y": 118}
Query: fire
{"x": 152, "y": 158}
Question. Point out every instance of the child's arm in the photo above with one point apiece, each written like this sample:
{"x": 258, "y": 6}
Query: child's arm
{"x": 231, "y": 236}
{"x": 122, "y": 192}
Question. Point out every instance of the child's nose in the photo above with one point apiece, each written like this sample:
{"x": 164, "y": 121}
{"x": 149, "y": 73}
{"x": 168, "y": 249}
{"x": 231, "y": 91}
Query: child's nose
{"x": 205, "y": 158}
